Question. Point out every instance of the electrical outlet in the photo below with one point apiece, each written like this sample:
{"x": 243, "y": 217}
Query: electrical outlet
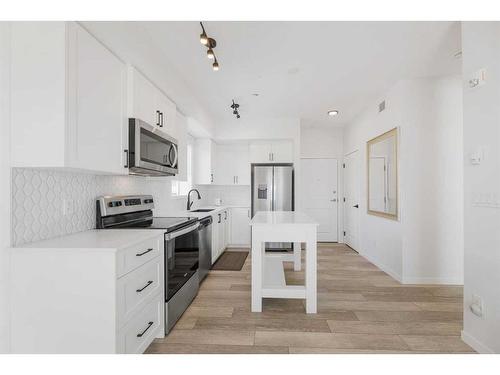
{"x": 68, "y": 207}
{"x": 476, "y": 306}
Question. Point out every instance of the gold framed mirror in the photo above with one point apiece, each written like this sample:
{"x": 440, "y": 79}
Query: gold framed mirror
{"x": 382, "y": 175}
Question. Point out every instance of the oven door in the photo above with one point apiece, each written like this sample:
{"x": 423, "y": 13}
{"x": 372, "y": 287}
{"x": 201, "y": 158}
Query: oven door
{"x": 182, "y": 251}
{"x": 151, "y": 151}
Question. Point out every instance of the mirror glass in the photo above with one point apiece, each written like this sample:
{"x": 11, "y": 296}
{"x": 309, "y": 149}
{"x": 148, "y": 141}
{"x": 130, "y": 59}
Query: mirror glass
{"x": 382, "y": 155}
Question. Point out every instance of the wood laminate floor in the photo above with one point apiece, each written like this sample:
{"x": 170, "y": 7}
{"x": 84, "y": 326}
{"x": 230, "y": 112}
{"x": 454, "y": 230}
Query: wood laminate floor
{"x": 361, "y": 309}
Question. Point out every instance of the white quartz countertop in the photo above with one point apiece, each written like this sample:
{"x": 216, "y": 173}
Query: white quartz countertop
{"x": 110, "y": 239}
{"x": 281, "y": 217}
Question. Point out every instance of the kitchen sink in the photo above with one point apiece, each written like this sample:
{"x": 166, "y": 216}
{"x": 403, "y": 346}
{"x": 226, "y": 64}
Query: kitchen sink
{"x": 203, "y": 210}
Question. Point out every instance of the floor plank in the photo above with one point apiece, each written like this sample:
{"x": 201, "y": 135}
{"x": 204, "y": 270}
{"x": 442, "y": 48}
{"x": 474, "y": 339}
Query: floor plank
{"x": 361, "y": 309}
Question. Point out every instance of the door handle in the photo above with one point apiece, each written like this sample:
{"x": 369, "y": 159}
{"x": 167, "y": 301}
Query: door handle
{"x": 356, "y": 206}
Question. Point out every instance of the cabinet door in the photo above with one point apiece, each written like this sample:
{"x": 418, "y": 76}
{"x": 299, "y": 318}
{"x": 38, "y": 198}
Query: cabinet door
{"x": 215, "y": 238}
{"x": 260, "y": 152}
{"x": 97, "y": 129}
{"x": 240, "y": 226}
{"x": 242, "y": 166}
{"x": 282, "y": 152}
{"x": 167, "y": 114}
{"x": 225, "y": 165}
{"x": 204, "y": 165}
{"x": 144, "y": 99}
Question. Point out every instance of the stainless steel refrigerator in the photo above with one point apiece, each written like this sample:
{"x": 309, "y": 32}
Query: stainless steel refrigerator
{"x": 272, "y": 190}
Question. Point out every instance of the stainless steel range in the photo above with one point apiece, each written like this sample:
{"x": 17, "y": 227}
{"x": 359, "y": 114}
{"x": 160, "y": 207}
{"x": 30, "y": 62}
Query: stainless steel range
{"x": 182, "y": 246}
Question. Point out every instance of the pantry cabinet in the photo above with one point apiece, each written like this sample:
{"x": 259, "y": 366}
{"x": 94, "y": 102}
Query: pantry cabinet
{"x": 148, "y": 103}
{"x": 271, "y": 152}
{"x": 240, "y": 227}
{"x": 68, "y": 99}
{"x": 233, "y": 166}
{"x": 205, "y": 155}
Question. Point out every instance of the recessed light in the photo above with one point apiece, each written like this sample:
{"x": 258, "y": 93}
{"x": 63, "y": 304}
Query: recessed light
{"x": 333, "y": 112}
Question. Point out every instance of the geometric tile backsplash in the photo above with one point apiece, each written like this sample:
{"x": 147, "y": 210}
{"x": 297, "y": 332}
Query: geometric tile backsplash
{"x": 48, "y": 203}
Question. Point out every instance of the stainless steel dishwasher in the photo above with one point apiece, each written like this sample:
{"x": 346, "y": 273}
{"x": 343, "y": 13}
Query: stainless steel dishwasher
{"x": 205, "y": 245}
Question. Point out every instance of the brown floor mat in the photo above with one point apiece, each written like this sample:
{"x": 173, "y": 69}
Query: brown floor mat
{"x": 231, "y": 261}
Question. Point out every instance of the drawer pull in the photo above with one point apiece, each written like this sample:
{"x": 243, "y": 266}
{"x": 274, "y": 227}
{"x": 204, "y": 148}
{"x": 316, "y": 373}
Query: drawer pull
{"x": 143, "y": 332}
{"x": 145, "y": 286}
{"x": 145, "y": 252}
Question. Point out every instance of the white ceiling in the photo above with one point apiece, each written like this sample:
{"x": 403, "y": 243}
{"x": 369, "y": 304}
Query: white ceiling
{"x": 303, "y": 69}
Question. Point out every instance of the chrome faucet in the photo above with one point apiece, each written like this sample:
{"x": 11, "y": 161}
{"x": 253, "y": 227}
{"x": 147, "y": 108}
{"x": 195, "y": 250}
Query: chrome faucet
{"x": 189, "y": 203}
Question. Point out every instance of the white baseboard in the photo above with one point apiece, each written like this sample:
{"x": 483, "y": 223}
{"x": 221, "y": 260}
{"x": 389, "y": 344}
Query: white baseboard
{"x": 383, "y": 267}
{"x": 432, "y": 280}
{"x": 475, "y": 344}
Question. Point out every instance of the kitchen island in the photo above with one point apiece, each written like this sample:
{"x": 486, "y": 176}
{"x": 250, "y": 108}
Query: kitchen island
{"x": 268, "y": 275}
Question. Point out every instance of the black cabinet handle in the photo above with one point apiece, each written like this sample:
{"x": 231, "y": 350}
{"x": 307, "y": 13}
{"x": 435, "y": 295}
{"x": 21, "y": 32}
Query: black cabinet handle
{"x": 356, "y": 206}
{"x": 219, "y": 218}
{"x": 157, "y": 118}
{"x": 143, "y": 332}
{"x": 161, "y": 119}
{"x": 145, "y": 252}
{"x": 145, "y": 286}
{"x": 225, "y": 215}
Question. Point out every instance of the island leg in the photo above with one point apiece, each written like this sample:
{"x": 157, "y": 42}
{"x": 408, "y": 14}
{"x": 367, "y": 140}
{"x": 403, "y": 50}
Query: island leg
{"x": 257, "y": 259}
{"x": 296, "y": 256}
{"x": 311, "y": 272}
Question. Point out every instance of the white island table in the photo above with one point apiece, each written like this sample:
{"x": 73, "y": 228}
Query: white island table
{"x": 268, "y": 275}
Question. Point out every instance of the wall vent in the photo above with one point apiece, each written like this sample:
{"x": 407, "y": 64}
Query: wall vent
{"x": 381, "y": 106}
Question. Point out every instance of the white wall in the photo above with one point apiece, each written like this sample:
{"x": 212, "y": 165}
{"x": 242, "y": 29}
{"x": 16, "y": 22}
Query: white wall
{"x": 424, "y": 245}
{"x": 325, "y": 141}
{"x": 480, "y": 46}
{"x": 4, "y": 184}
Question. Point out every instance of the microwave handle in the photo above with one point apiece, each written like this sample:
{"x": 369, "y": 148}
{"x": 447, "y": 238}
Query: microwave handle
{"x": 174, "y": 161}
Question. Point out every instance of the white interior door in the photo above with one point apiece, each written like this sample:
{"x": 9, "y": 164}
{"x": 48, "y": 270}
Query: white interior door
{"x": 320, "y": 198}
{"x": 351, "y": 199}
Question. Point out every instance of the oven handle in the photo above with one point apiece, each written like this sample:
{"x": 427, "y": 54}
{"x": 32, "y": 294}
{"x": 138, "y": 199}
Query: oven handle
{"x": 177, "y": 233}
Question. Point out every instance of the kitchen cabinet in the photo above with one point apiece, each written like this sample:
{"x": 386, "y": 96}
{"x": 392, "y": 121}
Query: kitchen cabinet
{"x": 99, "y": 291}
{"x": 205, "y": 154}
{"x": 233, "y": 166}
{"x": 240, "y": 227}
{"x": 68, "y": 99}
{"x": 220, "y": 233}
{"x": 148, "y": 103}
{"x": 271, "y": 152}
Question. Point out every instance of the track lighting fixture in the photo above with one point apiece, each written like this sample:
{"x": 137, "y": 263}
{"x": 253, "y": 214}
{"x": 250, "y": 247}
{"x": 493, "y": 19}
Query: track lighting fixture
{"x": 210, "y": 43}
{"x": 235, "y": 107}
{"x": 215, "y": 65}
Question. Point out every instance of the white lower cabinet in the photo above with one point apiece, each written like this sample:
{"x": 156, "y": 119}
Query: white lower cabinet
{"x": 240, "y": 227}
{"x": 91, "y": 292}
{"x": 220, "y": 232}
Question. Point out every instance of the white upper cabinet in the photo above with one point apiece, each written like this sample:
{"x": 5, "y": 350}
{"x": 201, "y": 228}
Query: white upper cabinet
{"x": 233, "y": 166}
{"x": 271, "y": 152}
{"x": 68, "y": 99}
{"x": 205, "y": 154}
{"x": 182, "y": 137}
{"x": 148, "y": 103}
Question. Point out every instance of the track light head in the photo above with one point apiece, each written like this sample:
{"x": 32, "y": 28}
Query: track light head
{"x": 238, "y": 116}
{"x": 204, "y": 39}
{"x": 210, "y": 54}
{"x": 215, "y": 65}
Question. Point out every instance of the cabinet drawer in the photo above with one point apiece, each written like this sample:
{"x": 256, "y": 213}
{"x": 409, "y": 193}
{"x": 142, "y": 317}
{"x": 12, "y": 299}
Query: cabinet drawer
{"x": 135, "y": 256}
{"x": 138, "y": 287}
{"x": 142, "y": 329}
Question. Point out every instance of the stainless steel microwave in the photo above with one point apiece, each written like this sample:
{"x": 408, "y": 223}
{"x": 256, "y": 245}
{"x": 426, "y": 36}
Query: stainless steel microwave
{"x": 151, "y": 151}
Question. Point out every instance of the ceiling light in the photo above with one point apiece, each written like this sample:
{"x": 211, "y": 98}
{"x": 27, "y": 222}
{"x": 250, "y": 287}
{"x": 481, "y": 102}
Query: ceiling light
{"x": 215, "y": 65}
{"x": 333, "y": 112}
{"x": 204, "y": 39}
{"x": 210, "y": 54}
{"x": 235, "y": 107}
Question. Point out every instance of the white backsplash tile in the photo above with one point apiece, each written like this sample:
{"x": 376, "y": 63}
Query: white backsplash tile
{"x": 230, "y": 195}
{"x": 38, "y": 200}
